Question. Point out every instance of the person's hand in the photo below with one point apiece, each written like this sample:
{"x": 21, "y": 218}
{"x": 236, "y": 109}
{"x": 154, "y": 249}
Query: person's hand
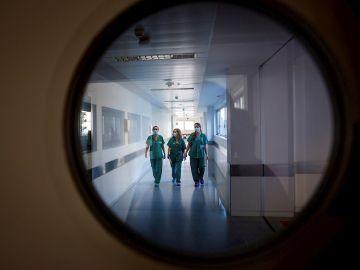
{"x": 168, "y": 156}
{"x": 207, "y": 157}
{"x": 145, "y": 155}
{"x": 164, "y": 156}
{"x": 185, "y": 155}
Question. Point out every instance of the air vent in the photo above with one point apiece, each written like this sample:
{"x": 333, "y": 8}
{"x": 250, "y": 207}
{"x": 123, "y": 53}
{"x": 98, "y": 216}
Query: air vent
{"x": 167, "y": 89}
{"x": 154, "y": 57}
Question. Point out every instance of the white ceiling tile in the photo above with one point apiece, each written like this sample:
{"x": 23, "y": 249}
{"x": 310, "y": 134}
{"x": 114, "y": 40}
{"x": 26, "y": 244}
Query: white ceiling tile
{"x": 220, "y": 35}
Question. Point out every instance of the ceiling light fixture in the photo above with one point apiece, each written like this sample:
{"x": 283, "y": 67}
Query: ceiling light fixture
{"x": 154, "y": 57}
{"x": 172, "y": 89}
{"x": 171, "y": 101}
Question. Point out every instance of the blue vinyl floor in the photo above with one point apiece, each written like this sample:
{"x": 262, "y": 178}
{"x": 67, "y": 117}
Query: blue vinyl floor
{"x": 186, "y": 218}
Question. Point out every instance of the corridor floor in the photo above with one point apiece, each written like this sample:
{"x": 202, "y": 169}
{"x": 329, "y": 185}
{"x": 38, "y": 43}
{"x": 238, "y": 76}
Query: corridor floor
{"x": 186, "y": 218}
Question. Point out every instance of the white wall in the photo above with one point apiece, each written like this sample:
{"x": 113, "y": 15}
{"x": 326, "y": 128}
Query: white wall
{"x": 244, "y": 139}
{"x": 277, "y": 134}
{"x": 114, "y": 183}
{"x": 313, "y": 126}
{"x": 246, "y": 196}
{"x": 244, "y": 124}
{"x": 286, "y": 125}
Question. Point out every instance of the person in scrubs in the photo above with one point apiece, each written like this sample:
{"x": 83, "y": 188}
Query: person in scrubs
{"x": 176, "y": 148}
{"x": 197, "y": 142}
{"x": 157, "y": 153}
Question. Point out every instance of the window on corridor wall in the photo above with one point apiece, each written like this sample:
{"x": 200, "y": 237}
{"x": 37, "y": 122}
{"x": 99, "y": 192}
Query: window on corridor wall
{"x": 189, "y": 125}
{"x": 221, "y": 122}
{"x": 134, "y": 127}
{"x": 240, "y": 103}
{"x": 180, "y": 125}
{"x": 88, "y": 127}
{"x": 113, "y": 127}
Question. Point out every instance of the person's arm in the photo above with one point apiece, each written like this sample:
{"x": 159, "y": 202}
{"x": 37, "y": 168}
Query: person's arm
{"x": 169, "y": 150}
{"x": 187, "y": 149}
{"x": 147, "y": 147}
{"x": 183, "y": 146}
{"x": 190, "y": 139}
{"x": 163, "y": 148}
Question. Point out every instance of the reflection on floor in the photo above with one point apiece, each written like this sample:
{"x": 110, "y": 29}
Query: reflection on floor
{"x": 185, "y": 218}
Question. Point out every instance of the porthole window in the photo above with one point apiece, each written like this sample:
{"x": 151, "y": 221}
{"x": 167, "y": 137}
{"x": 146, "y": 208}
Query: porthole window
{"x": 203, "y": 130}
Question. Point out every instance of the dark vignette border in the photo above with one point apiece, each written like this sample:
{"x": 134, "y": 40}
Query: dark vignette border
{"x": 332, "y": 180}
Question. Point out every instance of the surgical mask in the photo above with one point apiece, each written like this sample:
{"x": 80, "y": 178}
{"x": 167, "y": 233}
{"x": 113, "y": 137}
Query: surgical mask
{"x": 155, "y": 132}
{"x": 174, "y": 134}
{"x": 197, "y": 129}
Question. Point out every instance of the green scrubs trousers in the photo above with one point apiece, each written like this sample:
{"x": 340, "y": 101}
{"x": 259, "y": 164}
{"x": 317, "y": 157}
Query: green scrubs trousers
{"x": 156, "y": 165}
{"x": 176, "y": 169}
{"x": 197, "y": 168}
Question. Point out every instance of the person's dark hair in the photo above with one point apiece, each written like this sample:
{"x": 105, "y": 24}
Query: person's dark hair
{"x": 155, "y": 127}
{"x": 197, "y": 124}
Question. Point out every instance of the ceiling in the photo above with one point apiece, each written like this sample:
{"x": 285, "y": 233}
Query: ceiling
{"x": 221, "y": 36}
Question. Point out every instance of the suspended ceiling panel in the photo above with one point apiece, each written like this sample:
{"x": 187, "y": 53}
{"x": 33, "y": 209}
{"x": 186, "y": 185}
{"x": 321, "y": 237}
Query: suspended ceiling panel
{"x": 220, "y": 37}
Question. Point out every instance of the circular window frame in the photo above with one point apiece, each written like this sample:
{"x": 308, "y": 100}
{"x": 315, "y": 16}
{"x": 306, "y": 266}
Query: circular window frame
{"x": 332, "y": 179}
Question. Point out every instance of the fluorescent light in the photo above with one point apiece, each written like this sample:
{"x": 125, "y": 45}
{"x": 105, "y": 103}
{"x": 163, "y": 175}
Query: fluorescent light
{"x": 178, "y": 101}
{"x": 133, "y": 58}
{"x": 164, "y": 89}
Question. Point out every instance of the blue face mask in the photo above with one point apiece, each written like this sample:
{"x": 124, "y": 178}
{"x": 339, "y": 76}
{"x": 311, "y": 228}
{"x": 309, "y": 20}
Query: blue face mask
{"x": 155, "y": 132}
{"x": 174, "y": 134}
{"x": 197, "y": 129}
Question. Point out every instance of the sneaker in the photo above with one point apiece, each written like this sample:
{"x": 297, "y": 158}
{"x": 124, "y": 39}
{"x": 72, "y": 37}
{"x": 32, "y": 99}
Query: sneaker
{"x": 178, "y": 184}
{"x": 201, "y": 181}
{"x": 174, "y": 180}
{"x": 156, "y": 184}
{"x": 196, "y": 184}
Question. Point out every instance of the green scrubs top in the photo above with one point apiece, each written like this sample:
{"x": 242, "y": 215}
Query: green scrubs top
{"x": 155, "y": 146}
{"x": 176, "y": 148}
{"x": 197, "y": 145}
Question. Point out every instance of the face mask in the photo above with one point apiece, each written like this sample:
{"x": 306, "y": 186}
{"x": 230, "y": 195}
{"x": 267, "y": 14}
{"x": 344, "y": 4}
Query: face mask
{"x": 174, "y": 134}
{"x": 197, "y": 129}
{"x": 155, "y": 132}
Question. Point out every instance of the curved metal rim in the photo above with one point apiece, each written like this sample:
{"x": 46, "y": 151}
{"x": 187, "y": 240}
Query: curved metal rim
{"x": 332, "y": 178}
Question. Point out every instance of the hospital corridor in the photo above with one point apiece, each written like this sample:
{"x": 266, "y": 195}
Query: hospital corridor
{"x": 256, "y": 103}
{"x": 179, "y": 134}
